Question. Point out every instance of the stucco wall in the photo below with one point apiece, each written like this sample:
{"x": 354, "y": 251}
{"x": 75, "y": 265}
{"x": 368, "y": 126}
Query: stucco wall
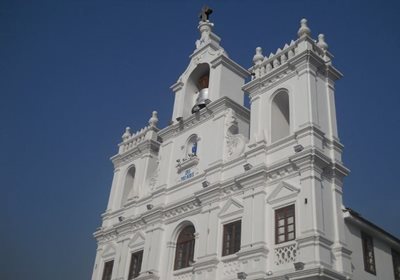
{"x": 382, "y": 252}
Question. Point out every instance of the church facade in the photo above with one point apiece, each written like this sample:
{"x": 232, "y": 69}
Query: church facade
{"x": 227, "y": 192}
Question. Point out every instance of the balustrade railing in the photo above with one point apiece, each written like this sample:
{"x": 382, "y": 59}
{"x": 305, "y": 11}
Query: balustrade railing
{"x": 266, "y": 64}
{"x": 273, "y": 61}
{"x": 131, "y": 140}
{"x": 285, "y": 254}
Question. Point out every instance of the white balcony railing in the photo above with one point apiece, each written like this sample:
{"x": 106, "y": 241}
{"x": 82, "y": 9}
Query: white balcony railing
{"x": 285, "y": 254}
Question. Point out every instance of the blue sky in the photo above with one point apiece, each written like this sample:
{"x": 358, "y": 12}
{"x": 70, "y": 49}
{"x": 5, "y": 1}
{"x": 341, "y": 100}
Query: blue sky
{"x": 74, "y": 73}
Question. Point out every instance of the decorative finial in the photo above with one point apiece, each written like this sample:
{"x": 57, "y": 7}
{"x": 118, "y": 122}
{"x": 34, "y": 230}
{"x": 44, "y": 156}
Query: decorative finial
{"x": 321, "y": 42}
{"x": 258, "y": 57}
{"x": 127, "y": 134}
{"x": 154, "y": 119}
{"x": 205, "y": 13}
{"x": 304, "y": 30}
{"x": 205, "y": 27}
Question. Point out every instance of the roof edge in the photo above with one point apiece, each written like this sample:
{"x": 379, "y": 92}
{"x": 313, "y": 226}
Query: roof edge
{"x": 356, "y": 218}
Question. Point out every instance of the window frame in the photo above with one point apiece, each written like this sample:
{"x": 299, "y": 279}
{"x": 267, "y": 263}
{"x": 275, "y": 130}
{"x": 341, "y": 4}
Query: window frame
{"x": 184, "y": 248}
{"x": 104, "y": 276}
{"x": 285, "y": 210}
{"x": 396, "y": 264}
{"x": 235, "y": 241}
{"x": 133, "y": 273}
{"x": 368, "y": 247}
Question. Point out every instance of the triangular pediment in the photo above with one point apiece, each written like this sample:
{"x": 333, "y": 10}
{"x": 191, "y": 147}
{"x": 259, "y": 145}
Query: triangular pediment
{"x": 282, "y": 192}
{"x": 108, "y": 251}
{"x": 137, "y": 240}
{"x": 231, "y": 207}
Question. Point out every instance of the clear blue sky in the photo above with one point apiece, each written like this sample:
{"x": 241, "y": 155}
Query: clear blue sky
{"x": 74, "y": 73}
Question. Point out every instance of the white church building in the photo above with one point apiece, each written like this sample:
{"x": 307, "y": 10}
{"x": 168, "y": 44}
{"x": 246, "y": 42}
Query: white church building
{"x": 226, "y": 192}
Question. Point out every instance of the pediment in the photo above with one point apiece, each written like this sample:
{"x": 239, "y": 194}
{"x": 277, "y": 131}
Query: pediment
{"x": 282, "y": 192}
{"x": 231, "y": 207}
{"x": 137, "y": 240}
{"x": 108, "y": 251}
{"x": 205, "y": 55}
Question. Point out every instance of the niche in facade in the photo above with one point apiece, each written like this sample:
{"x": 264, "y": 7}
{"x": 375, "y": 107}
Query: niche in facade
{"x": 129, "y": 184}
{"x": 197, "y": 95}
{"x": 280, "y": 116}
{"x": 190, "y": 158}
{"x": 191, "y": 147}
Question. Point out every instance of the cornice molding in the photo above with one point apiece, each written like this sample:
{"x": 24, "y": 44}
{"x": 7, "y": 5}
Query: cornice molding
{"x": 231, "y": 65}
{"x": 177, "y": 86}
{"x": 304, "y": 60}
{"x": 182, "y": 207}
{"x": 310, "y": 271}
{"x": 205, "y": 263}
{"x": 369, "y": 227}
{"x": 203, "y": 115}
{"x": 147, "y": 147}
{"x": 252, "y": 252}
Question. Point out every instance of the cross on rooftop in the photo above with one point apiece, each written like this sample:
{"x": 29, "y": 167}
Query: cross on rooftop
{"x": 205, "y": 13}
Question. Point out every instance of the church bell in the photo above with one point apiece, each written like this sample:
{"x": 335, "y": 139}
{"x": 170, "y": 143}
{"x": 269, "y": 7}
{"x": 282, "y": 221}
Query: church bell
{"x": 202, "y": 98}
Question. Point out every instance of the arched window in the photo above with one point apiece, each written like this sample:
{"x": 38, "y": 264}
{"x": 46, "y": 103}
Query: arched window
{"x": 184, "y": 248}
{"x": 280, "y": 116}
{"x": 129, "y": 184}
{"x": 191, "y": 147}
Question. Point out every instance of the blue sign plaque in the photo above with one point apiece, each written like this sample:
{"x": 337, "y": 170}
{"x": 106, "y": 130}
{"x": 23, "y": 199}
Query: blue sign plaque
{"x": 187, "y": 174}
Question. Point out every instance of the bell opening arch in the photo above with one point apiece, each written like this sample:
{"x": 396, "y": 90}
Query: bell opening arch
{"x": 280, "y": 115}
{"x": 196, "y": 92}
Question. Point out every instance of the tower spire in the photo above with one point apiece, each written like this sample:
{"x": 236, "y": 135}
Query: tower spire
{"x": 205, "y": 28}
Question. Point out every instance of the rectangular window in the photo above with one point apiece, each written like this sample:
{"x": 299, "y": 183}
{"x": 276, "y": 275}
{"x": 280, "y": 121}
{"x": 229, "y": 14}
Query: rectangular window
{"x": 107, "y": 272}
{"x": 368, "y": 252}
{"x": 136, "y": 265}
{"x": 396, "y": 264}
{"x": 231, "y": 238}
{"x": 285, "y": 224}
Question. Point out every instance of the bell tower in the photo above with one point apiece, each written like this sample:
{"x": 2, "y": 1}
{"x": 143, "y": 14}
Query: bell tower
{"x": 293, "y": 112}
{"x": 293, "y": 88}
{"x": 211, "y": 74}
